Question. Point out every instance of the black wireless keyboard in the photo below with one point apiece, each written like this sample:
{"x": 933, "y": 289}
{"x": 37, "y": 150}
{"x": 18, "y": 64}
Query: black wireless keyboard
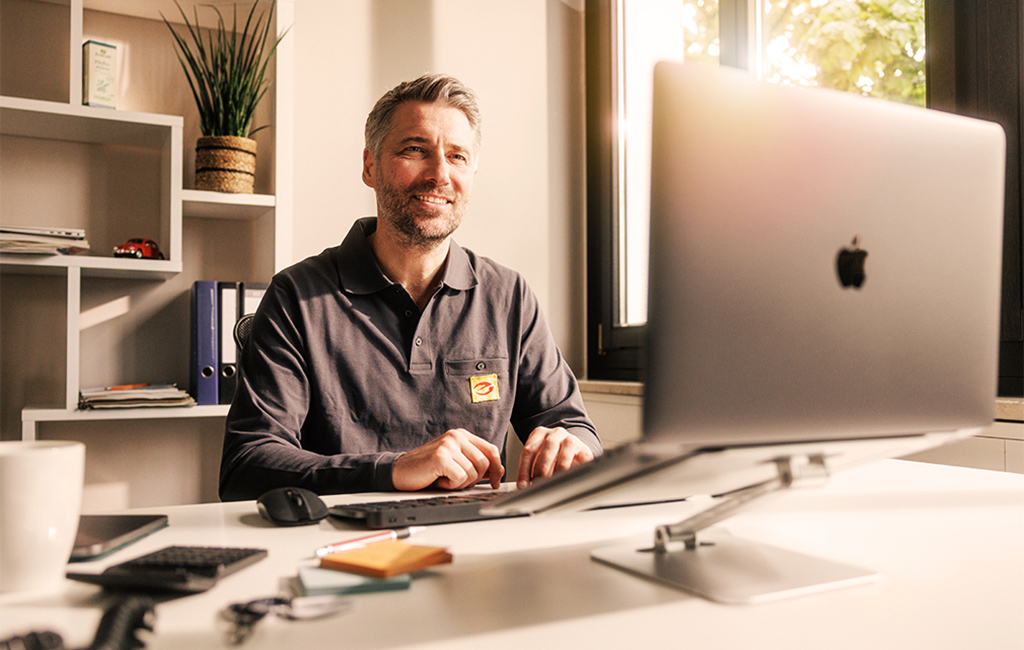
{"x": 419, "y": 512}
{"x": 185, "y": 569}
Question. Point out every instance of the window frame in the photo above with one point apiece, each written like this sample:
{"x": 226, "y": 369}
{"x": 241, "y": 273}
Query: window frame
{"x": 613, "y": 351}
{"x": 975, "y": 67}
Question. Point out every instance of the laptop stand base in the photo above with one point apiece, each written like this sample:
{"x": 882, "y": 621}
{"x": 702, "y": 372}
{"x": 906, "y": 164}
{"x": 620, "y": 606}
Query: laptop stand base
{"x": 734, "y": 571}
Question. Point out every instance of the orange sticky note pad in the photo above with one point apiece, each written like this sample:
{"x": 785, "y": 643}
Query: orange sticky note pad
{"x": 386, "y": 558}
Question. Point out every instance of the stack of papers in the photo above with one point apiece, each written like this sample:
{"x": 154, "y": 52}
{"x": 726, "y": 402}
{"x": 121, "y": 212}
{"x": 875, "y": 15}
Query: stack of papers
{"x": 133, "y": 396}
{"x": 42, "y": 241}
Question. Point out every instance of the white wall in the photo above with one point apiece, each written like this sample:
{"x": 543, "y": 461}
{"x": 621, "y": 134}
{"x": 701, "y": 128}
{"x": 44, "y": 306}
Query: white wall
{"x": 524, "y": 59}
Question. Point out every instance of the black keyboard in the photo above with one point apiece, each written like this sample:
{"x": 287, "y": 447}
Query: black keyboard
{"x": 187, "y": 569}
{"x": 419, "y": 512}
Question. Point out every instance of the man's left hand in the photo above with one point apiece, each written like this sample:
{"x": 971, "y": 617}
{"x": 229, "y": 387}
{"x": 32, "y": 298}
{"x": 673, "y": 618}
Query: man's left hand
{"x": 547, "y": 451}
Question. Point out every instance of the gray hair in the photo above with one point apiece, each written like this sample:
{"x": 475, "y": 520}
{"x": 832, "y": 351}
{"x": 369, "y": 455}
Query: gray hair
{"x": 430, "y": 88}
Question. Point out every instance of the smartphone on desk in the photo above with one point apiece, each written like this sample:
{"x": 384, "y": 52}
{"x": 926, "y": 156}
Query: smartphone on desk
{"x": 100, "y": 535}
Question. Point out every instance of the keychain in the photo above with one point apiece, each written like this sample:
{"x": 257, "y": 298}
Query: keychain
{"x": 244, "y": 616}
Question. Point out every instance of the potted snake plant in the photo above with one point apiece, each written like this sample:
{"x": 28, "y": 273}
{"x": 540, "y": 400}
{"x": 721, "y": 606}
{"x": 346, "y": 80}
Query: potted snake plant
{"x": 226, "y": 73}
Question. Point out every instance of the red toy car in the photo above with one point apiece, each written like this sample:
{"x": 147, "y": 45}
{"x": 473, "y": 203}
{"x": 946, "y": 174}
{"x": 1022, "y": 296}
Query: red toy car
{"x": 140, "y": 248}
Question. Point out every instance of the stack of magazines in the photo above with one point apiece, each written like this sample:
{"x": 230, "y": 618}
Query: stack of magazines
{"x": 133, "y": 396}
{"x": 42, "y": 241}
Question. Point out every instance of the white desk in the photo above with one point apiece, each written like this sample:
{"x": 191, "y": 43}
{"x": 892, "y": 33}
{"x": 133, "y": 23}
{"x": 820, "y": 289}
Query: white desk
{"x": 948, "y": 542}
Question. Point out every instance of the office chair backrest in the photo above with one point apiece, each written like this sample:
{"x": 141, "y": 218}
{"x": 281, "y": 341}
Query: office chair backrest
{"x": 242, "y": 330}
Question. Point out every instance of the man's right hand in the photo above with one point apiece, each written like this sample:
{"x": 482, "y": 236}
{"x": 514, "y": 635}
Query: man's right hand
{"x": 455, "y": 460}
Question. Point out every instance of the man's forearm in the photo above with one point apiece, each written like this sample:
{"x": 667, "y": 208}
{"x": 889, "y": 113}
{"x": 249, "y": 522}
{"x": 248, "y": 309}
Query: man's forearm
{"x": 256, "y": 467}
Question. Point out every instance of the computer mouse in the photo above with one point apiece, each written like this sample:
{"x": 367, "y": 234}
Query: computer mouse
{"x": 291, "y": 506}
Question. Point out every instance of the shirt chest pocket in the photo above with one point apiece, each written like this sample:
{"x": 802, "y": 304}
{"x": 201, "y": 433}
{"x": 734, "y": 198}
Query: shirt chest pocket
{"x": 476, "y": 367}
{"x": 481, "y": 380}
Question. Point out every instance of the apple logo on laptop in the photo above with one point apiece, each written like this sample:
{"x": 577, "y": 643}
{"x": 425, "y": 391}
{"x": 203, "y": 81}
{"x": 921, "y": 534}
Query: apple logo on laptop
{"x": 850, "y": 265}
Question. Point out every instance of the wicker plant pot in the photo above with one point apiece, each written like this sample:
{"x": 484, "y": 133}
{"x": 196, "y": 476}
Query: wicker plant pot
{"x": 225, "y": 163}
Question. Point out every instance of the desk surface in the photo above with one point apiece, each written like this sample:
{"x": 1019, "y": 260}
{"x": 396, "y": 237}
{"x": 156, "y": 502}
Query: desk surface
{"x": 947, "y": 541}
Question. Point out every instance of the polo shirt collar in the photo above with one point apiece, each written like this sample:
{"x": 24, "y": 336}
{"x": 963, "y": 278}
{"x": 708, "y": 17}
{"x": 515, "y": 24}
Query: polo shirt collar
{"x": 458, "y": 272}
{"x": 359, "y": 273}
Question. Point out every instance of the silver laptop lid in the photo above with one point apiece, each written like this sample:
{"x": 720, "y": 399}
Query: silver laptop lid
{"x": 756, "y": 192}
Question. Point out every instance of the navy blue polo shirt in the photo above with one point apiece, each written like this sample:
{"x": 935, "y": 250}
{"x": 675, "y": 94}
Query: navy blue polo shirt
{"x": 342, "y": 373}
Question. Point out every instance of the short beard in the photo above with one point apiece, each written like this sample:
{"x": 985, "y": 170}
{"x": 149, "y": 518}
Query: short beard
{"x": 397, "y": 208}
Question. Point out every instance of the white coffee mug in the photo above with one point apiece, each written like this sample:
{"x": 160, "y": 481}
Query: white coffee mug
{"x": 40, "y": 502}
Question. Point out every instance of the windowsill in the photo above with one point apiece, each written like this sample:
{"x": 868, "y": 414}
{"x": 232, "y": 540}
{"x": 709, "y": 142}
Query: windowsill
{"x": 1010, "y": 409}
{"x": 632, "y": 388}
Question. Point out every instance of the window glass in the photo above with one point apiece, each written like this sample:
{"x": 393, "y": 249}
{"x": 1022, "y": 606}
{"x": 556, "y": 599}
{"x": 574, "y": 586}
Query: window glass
{"x": 651, "y": 31}
{"x": 873, "y": 48}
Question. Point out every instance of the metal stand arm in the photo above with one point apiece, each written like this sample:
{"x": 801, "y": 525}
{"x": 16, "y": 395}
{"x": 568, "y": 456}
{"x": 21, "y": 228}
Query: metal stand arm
{"x": 790, "y": 473}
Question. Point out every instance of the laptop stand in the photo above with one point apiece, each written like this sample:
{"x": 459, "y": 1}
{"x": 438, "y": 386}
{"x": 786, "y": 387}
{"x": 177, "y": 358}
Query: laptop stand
{"x": 729, "y": 570}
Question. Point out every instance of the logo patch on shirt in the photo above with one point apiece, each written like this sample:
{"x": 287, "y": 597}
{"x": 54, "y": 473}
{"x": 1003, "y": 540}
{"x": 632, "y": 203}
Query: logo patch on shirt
{"x": 484, "y": 389}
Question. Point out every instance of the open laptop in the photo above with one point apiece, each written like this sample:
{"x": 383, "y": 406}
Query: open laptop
{"x": 824, "y": 283}
{"x": 824, "y": 291}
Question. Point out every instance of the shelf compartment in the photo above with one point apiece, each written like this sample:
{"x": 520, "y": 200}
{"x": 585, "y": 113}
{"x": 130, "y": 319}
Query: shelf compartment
{"x": 87, "y": 125}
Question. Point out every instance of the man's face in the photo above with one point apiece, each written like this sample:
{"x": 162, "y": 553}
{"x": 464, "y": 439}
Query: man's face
{"x": 425, "y": 173}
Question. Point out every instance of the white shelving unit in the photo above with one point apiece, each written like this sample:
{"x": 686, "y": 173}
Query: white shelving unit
{"x": 158, "y": 136}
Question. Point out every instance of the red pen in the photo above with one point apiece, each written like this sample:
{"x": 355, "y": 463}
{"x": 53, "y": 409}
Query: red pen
{"x": 359, "y": 542}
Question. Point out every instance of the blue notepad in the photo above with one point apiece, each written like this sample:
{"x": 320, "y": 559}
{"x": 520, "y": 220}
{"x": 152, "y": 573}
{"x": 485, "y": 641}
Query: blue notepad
{"x": 316, "y": 581}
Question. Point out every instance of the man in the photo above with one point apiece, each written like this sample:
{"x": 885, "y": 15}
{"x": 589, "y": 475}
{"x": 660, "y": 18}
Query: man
{"x": 397, "y": 360}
